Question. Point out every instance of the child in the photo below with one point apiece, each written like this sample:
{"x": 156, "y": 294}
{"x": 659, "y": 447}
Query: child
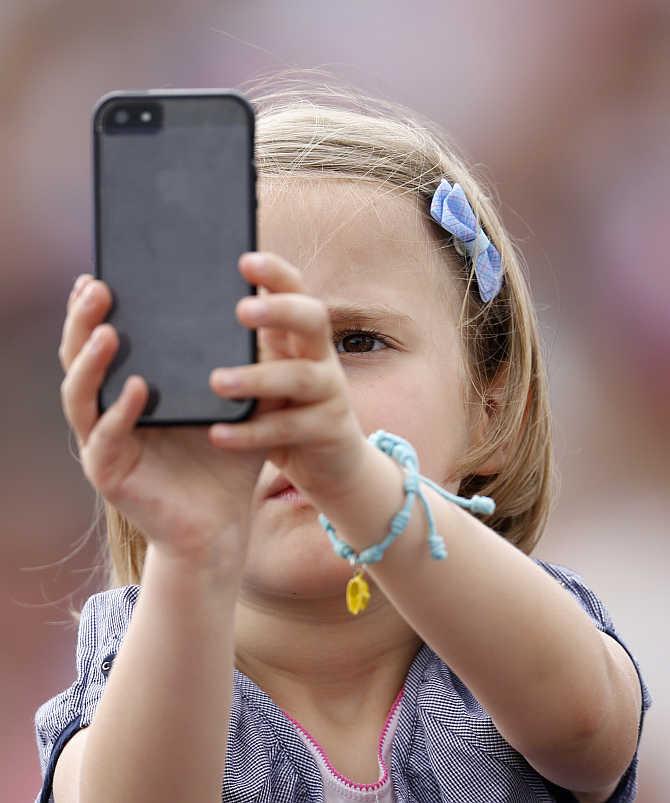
{"x": 397, "y": 337}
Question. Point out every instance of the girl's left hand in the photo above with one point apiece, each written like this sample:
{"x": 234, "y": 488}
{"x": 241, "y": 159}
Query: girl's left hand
{"x": 304, "y": 416}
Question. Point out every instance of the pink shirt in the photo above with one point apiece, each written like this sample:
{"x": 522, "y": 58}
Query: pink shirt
{"x": 340, "y": 789}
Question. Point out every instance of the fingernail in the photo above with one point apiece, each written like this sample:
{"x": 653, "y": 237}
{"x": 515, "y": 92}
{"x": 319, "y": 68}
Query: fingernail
{"x": 95, "y": 343}
{"x": 88, "y": 295}
{"x": 77, "y": 287}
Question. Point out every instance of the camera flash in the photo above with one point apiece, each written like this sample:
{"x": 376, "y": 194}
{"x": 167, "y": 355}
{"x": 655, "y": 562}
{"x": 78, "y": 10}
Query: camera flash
{"x": 145, "y": 117}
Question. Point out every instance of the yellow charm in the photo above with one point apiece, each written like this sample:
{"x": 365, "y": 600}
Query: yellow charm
{"x": 358, "y": 593}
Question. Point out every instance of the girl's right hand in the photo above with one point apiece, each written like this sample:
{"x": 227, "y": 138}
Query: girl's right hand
{"x": 187, "y": 497}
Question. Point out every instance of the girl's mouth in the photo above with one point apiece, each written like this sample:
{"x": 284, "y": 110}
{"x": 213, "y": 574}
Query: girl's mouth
{"x": 290, "y": 495}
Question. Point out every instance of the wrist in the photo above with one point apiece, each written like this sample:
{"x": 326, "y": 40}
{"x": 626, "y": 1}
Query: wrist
{"x": 216, "y": 559}
{"x": 368, "y": 501}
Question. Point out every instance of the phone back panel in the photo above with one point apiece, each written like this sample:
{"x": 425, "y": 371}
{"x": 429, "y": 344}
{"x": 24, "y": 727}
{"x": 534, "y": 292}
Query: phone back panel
{"x": 174, "y": 209}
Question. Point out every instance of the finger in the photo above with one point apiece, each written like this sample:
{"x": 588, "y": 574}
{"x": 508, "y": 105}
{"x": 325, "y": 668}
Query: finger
{"x": 87, "y": 311}
{"x": 293, "y": 312}
{"x": 277, "y": 428}
{"x": 79, "y": 389}
{"x": 271, "y": 271}
{"x": 77, "y": 288}
{"x": 272, "y": 344}
{"x": 107, "y": 456}
{"x": 301, "y": 381}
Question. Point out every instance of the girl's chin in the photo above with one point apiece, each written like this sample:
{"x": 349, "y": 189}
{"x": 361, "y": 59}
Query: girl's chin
{"x": 308, "y": 573}
{"x": 291, "y": 554}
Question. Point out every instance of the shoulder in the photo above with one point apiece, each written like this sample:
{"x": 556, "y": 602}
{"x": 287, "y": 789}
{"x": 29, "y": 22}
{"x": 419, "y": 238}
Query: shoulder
{"x": 111, "y": 608}
{"x": 583, "y": 593}
{"x": 103, "y": 622}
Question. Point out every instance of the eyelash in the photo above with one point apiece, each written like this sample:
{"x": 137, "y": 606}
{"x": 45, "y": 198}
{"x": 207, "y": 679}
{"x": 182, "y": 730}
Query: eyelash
{"x": 373, "y": 333}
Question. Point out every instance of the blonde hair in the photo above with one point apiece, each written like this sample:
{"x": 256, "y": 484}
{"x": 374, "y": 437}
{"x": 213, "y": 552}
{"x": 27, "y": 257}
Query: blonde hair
{"x": 330, "y": 130}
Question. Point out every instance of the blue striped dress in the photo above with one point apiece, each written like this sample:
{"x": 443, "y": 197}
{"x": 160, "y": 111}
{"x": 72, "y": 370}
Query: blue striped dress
{"x": 445, "y": 746}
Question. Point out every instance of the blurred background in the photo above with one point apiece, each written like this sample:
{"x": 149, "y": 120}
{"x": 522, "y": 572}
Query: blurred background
{"x": 564, "y": 106}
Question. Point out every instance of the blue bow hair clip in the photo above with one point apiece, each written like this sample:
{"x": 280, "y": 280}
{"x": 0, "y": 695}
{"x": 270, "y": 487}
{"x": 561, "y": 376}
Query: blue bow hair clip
{"x": 451, "y": 209}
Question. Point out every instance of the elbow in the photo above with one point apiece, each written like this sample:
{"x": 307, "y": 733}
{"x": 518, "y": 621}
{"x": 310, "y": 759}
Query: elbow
{"x": 596, "y": 754}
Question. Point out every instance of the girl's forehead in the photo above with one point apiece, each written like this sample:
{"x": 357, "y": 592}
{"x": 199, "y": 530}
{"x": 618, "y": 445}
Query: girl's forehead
{"x": 362, "y": 226}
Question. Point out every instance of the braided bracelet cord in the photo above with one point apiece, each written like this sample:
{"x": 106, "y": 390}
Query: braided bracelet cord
{"x": 404, "y": 453}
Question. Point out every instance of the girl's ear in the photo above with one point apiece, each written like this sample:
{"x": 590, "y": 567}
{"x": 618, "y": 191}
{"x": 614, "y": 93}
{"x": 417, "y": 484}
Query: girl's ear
{"x": 486, "y": 423}
{"x": 496, "y": 461}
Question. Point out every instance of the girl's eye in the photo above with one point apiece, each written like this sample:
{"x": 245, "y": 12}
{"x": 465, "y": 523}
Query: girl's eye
{"x": 359, "y": 341}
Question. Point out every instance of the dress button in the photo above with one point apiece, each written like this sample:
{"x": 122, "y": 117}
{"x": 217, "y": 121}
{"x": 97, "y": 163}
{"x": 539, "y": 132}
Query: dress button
{"x": 107, "y": 664}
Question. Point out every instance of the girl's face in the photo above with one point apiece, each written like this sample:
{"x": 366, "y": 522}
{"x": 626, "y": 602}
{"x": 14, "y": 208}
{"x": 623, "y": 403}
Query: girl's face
{"x": 357, "y": 248}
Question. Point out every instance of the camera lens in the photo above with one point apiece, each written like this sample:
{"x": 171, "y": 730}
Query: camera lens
{"x": 132, "y": 116}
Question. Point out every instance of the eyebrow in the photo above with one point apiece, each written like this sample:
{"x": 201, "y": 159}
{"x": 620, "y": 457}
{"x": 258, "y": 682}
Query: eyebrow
{"x": 370, "y": 313}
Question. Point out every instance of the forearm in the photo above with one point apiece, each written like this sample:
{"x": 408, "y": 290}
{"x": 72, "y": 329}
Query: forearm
{"x": 520, "y": 643}
{"x": 160, "y": 731}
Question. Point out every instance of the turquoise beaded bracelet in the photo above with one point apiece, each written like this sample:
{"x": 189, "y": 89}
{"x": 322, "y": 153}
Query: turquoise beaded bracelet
{"x": 403, "y": 453}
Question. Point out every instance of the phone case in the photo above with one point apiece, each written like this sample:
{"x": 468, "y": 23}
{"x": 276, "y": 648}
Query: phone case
{"x": 174, "y": 208}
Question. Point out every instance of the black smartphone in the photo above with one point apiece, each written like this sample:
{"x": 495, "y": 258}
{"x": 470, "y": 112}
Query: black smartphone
{"x": 174, "y": 208}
